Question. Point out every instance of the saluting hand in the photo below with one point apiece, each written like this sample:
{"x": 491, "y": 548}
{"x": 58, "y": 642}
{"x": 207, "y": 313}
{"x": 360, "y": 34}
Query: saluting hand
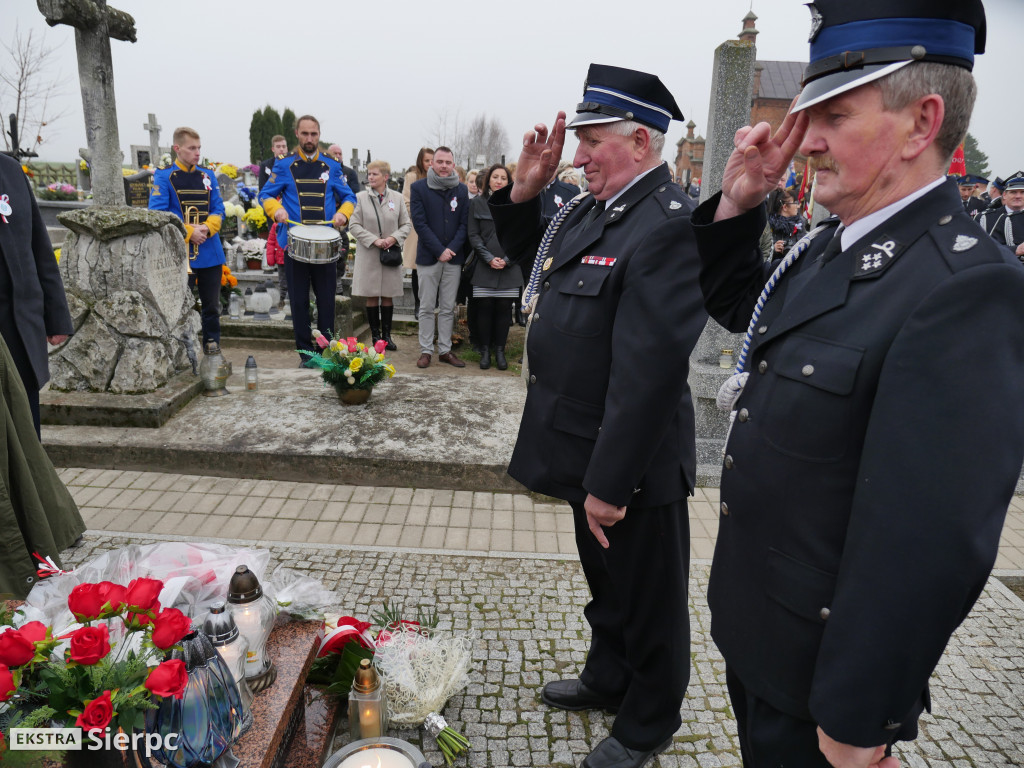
{"x": 600, "y": 515}
{"x": 757, "y": 163}
{"x": 539, "y": 159}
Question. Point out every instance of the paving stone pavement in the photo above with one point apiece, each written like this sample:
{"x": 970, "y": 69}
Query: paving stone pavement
{"x": 527, "y": 611}
{"x": 410, "y": 518}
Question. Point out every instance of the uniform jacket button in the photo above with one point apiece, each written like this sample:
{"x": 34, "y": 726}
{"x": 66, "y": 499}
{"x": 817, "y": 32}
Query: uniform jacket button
{"x": 536, "y": 316}
{"x": 762, "y": 366}
{"x": 579, "y": 284}
{"x": 807, "y": 370}
{"x": 547, "y": 284}
{"x": 728, "y": 462}
{"x": 743, "y": 414}
{"x": 533, "y": 379}
{"x": 763, "y": 329}
{"x": 824, "y": 613}
{"x": 725, "y": 508}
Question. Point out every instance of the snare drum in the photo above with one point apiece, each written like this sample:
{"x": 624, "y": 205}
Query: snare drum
{"x": 314, "y": 244}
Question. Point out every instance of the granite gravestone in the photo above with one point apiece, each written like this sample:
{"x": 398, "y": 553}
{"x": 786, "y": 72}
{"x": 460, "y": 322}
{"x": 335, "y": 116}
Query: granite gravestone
{"x": 124, "y": 268}
{"x": 732, "y": 83}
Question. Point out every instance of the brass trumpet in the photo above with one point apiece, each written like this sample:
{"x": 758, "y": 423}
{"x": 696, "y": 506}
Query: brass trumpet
{"x": 192, "y": 219}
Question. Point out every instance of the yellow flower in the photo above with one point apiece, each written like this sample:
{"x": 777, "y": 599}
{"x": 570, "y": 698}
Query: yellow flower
{"x": 56, "y": 252}
{"x": 356, "y": 364}
{"x": 230, "y": 170}
{"x": 360, "y": 346}
{"x": 390, "y": 369}
{"x": 335, "y": 346}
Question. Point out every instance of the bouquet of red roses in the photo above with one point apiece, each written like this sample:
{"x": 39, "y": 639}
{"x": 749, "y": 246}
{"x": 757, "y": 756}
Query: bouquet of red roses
{"x": 103, "y": 674}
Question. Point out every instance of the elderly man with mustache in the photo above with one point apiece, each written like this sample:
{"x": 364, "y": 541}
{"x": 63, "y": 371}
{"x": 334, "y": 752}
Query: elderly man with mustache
{"x": 875, "y": 443}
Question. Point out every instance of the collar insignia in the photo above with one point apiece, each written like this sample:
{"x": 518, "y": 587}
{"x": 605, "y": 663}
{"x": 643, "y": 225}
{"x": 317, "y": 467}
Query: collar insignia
{"x": 964, "y": 243}
{"x": 619, "y": 208}
{"x": 675, "y": 205}
{"x": 876, "y": 257}
{"x": 547, "y": 263}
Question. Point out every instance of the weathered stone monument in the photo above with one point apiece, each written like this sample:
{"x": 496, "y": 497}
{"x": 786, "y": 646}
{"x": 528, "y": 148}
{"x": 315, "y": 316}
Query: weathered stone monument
{"x": 732, "y": 83}
{"x": 154, "y": 140}
{"x": 123, "y": 268}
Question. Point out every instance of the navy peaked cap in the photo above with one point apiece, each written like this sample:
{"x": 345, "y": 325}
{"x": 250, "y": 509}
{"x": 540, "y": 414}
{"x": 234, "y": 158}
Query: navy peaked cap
{"x": 853, "y": 43}
{"x": 611, "y": 94}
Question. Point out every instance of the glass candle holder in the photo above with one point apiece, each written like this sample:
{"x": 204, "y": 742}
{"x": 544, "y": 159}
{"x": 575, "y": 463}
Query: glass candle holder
{"x": 367, "y": 708}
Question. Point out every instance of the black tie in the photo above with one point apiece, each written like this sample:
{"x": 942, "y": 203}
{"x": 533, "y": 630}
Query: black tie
{"x": 593, "y": 215}
{"x": 833, "y": 249}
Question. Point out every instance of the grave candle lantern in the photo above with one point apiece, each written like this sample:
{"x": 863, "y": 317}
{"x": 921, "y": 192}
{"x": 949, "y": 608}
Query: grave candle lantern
{"x": 254, "y": 614}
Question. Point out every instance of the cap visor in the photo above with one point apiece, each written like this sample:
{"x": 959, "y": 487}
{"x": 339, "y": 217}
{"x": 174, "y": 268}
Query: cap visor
{"x": 830, "y": 86}
{"x": 591, "y": 118}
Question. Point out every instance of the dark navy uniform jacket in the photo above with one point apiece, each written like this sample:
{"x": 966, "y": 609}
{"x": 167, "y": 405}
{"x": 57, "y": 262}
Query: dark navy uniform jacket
{"x": 875, "y": 450}
{"x": 994, "y": 222}
{"x": 608, "y": 409}
{"x": 178, "y": 188}
{"x": 32, "y": 300}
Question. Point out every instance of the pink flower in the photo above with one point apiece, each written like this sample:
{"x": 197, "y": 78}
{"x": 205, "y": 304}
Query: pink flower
{"x": 351, "y": 341}
{"x": 380, "y": 346}
{"x": 322, "y": 341}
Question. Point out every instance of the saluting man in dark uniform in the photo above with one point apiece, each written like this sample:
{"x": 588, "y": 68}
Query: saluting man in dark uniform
{"x": 876, "y": 442}
{"x": 312, "y": 190}
{"x": 1006, "y": 223}
{"x": 608, "y": 423}
{"x": 192, "y": 193}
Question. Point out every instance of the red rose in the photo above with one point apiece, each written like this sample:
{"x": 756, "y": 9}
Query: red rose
{"x": 143, "y": 594}
{"x": 7, "y": 686}
{"x": 15, "y": 648}
{"x": 85, "y": 602}
{"x": 113, "y": 596}
{"x": 90, "y": 644}
{"x": 35, "y": 631}
{"x": 97, "y": 713}
{"x": 169, "y": 627}
{"x": 168, "y": 679}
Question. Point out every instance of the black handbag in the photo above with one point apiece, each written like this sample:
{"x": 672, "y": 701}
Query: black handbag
{"x": 389, "y": 257}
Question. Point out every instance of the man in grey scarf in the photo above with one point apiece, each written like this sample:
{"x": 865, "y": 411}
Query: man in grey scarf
{"x": 439, "y": 205}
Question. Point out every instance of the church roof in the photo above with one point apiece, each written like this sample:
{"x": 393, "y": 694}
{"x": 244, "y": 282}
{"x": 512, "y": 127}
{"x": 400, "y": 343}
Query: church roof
{"x": 780, "y": 79}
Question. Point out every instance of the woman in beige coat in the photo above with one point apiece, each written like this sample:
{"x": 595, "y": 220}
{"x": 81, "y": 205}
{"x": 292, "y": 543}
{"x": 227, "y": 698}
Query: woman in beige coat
{"x": 379, "y": 221}
{"x": 419, "y": 171}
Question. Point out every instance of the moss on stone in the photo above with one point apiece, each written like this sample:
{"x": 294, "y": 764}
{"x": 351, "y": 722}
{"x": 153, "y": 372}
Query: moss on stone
{"x": 109, "y": 223}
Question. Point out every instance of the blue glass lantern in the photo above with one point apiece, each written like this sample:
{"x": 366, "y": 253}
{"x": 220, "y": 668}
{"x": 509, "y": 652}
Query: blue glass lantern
{"x": 208, "y": 718}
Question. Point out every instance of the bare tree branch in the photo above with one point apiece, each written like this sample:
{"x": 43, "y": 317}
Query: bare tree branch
{"x": 26, "y": 90}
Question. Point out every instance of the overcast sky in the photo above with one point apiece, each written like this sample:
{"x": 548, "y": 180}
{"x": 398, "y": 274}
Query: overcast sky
{"x": 380, "y": 75}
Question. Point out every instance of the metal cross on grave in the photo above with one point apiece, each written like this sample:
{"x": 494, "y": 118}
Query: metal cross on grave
{"x": 154, "y": 140}
{"x": 95, "y": 23}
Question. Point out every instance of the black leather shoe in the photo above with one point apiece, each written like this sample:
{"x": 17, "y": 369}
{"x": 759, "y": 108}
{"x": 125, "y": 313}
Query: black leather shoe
{"x": 612, "y": 753}
{"x": 499, "y": 357}
{"x": 574, "y": 696}
{"x": 485, "y": 358}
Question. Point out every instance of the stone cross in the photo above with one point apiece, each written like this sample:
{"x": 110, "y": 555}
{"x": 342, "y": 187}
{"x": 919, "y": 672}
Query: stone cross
{"x": 154, "y": 140}
{"x": 95, "y": 23}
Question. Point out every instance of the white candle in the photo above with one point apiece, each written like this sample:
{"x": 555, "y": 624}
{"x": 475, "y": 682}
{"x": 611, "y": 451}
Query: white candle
{"x": 377, "y": 757}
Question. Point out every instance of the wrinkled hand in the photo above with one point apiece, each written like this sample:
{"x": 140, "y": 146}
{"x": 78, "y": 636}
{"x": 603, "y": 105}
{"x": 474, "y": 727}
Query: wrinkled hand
{"x": 757, "y": 163}
{"x": 56, "y": 339}
{"x": 281, "y": 215}
{"x": 600, "y": 515}
{"x": 498, "y": 263}
{"x": 447, "y": 256}
{"x": 340, "y": 220}
{"x": 539, "y": 159}
{"x": 847, "y": 756}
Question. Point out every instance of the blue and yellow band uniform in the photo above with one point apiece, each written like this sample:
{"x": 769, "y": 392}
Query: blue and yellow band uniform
{"x": 312, "y": 189}
{"x": 178, "y": 188}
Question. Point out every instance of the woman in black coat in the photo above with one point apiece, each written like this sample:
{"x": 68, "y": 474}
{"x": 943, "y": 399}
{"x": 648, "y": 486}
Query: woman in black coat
{"x": 496, "y": 281}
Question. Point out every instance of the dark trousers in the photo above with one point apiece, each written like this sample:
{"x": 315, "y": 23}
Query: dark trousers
{"x": 492, "y": 320}
{"x": 323, "y": 278}
{"x": 639, "y": 618}
{"x": 207, "y": 280}
{"x": 770, "y": 738}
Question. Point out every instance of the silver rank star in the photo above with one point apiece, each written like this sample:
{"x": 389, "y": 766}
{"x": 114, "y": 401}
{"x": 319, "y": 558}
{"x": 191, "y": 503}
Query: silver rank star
{"x": 964, "y": 243}
{"x": 871, "y": 261}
